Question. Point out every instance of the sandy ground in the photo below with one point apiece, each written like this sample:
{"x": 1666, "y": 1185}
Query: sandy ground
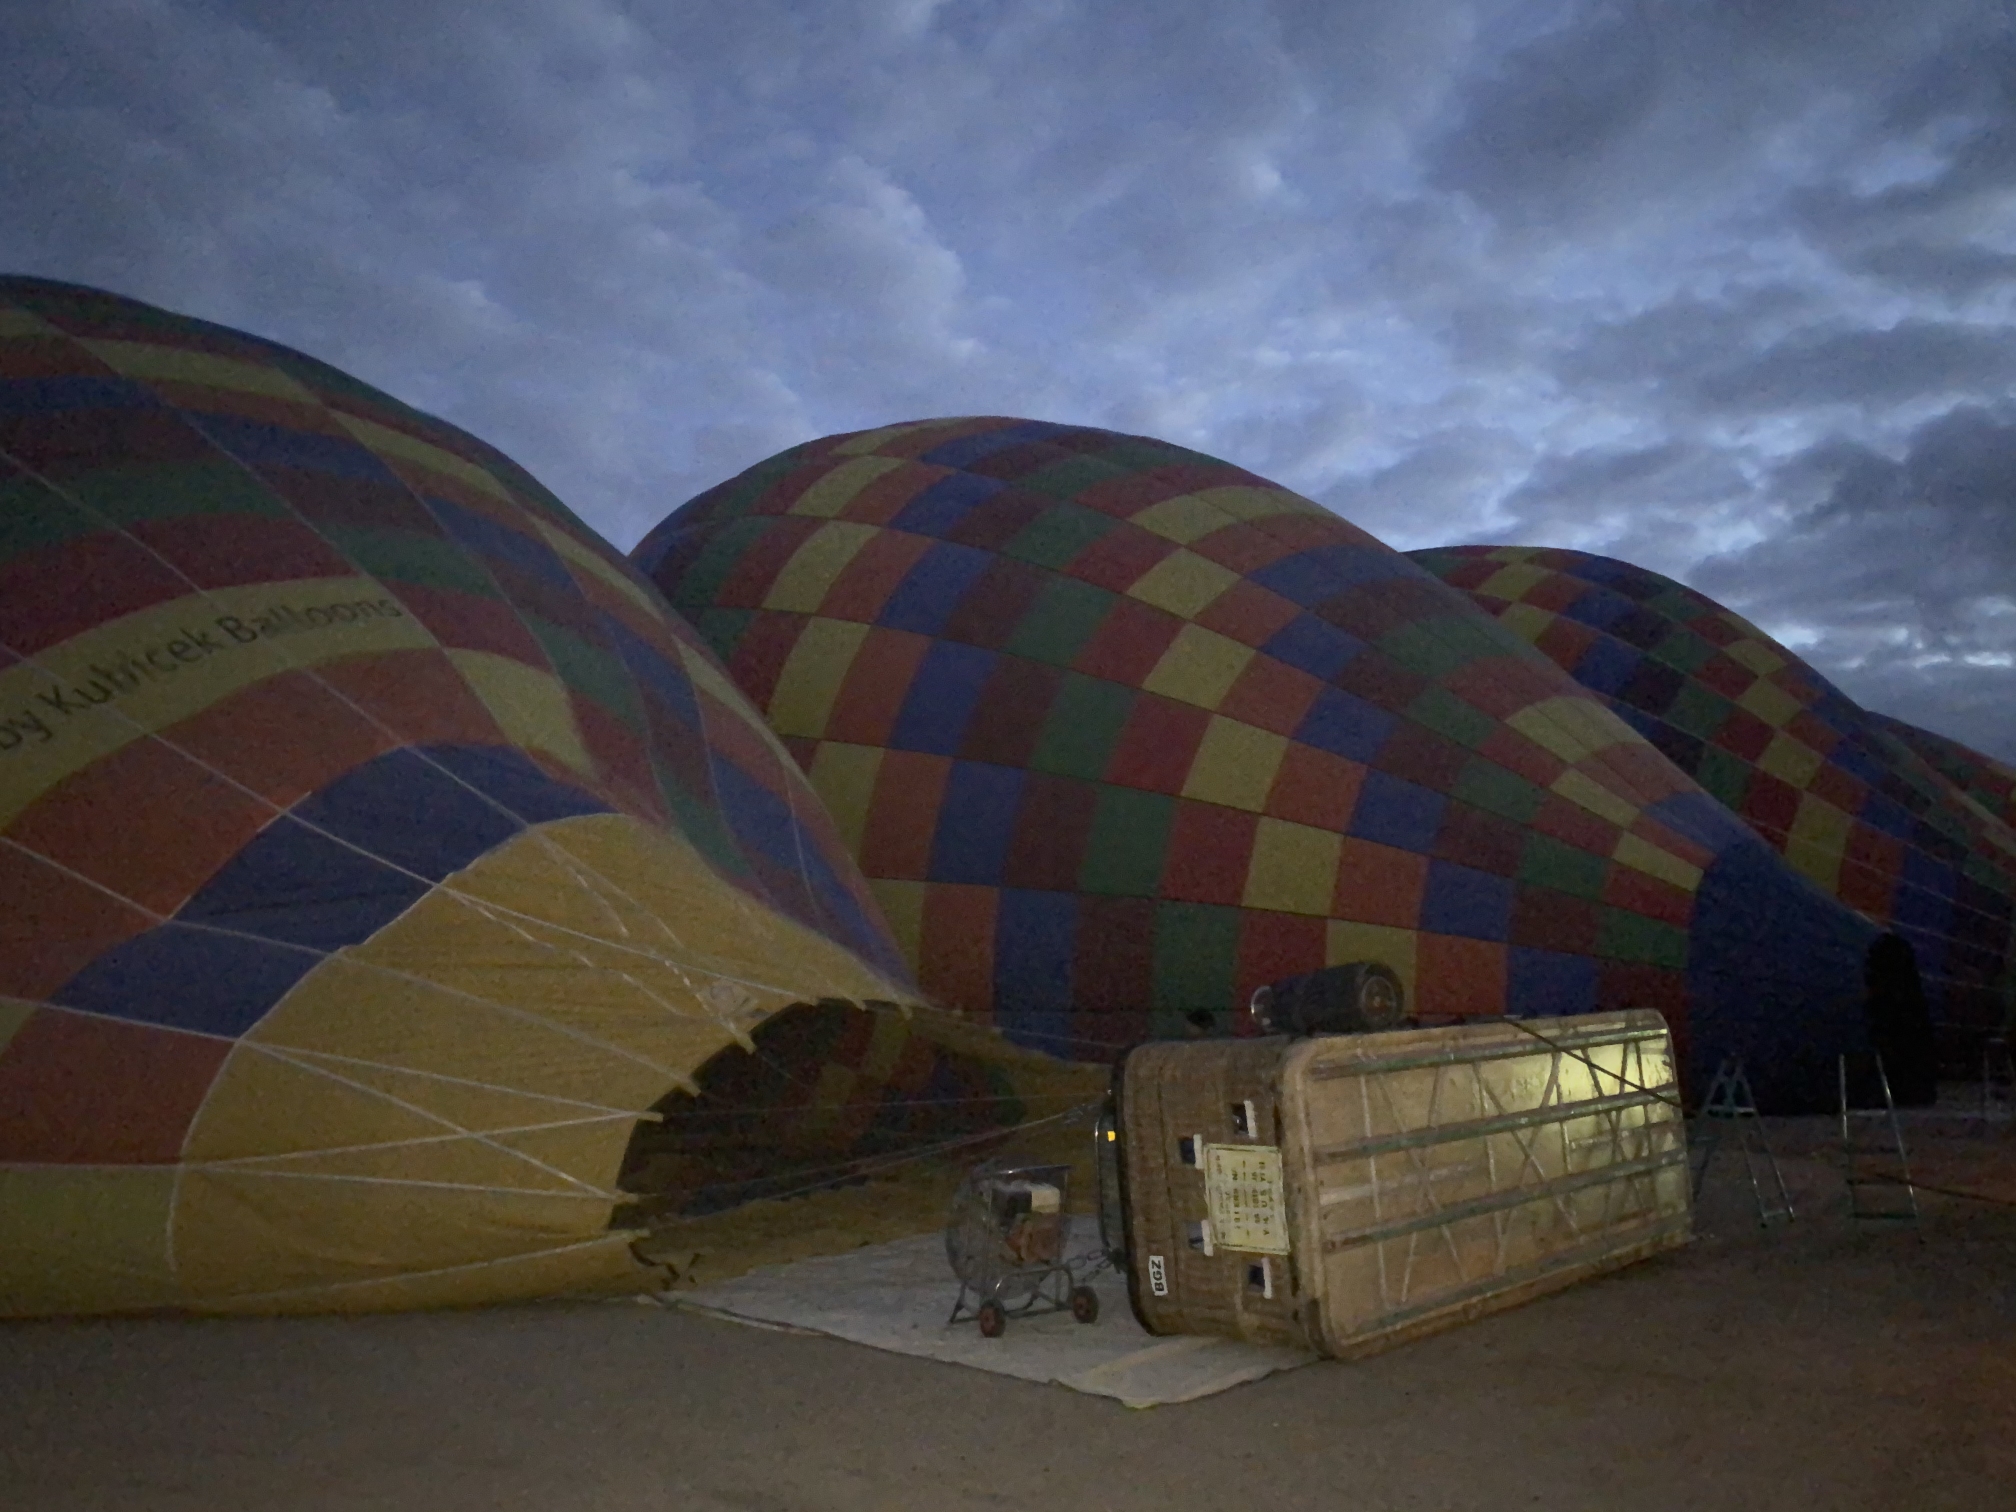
{"x": 1811, "y": 1368}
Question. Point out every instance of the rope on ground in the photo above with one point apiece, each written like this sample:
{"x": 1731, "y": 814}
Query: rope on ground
{"x": 1833, "y": 1161}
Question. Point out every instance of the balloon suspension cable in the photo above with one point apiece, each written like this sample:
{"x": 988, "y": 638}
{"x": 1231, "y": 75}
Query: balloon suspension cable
{"x": 875, "y": 1165}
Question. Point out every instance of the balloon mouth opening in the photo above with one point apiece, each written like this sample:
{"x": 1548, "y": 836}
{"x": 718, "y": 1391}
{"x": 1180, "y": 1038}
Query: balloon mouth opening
{"x": 830, "y": 1094}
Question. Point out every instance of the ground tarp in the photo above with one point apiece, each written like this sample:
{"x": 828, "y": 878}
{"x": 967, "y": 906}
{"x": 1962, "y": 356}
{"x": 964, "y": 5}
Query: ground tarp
{"x": 897, "y": 1297}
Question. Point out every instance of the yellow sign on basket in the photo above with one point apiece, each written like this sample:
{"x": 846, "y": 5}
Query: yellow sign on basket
{"x": 1242, "y": 1190}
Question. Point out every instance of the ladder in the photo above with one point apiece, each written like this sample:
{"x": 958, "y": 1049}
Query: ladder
{"x": 1731, "y": 1103}
{"x": 1858, "y": 1153}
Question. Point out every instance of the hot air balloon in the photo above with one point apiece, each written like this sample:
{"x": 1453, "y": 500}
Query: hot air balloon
{"x": 377, "y": 856}
{"x": 1874, "y": 813}
{"x": 1987, "y": 781}
{"x": 1120, "y": 732}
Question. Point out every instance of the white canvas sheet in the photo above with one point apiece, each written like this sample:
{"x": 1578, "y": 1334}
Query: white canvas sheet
{"x": 897, "y": 1297}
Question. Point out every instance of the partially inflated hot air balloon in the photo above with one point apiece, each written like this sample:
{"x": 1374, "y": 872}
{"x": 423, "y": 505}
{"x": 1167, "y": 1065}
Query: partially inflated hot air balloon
{"x": 1985, "y": 780}
{"x": 1904, "y": 827}
{"x": 1120, "y": 732}
{"x": 375, "y": 851}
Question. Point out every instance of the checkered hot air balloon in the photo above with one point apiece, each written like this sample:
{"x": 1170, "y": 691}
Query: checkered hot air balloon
{"x": 1988, "y": 782}
{"x": 1904, "y": 827}
{"x": 1120, "y": 732}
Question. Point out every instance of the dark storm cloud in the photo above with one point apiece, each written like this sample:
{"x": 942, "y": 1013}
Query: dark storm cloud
{"x": 1908, "y": 563}
{"x": 1595, "y": 96}
{"x": 1913, "y": 359}
{"x": 1957, "y": 273}
{"x": 1435, "y": 492}
{"x": 1539, "y": 129}
{"x": 1682, "y": 344}
{"x": 1606, "y": 274}
{"x": 1637, "y": 501}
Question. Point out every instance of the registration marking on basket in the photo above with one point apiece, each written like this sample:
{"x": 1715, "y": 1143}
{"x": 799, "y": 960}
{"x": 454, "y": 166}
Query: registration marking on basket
{"x": 1242, "y": 1191}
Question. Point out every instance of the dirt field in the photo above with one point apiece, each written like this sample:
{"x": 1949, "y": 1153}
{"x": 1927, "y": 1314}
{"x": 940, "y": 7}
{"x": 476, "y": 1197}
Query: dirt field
{"x": 1812, "y": 1368}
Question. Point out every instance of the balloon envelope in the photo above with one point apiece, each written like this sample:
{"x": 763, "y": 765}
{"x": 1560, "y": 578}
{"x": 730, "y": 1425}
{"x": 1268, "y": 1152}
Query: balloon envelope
{"x": 1902, "y": 826}
{"x": 375, "y": 847}
{"x": 1120, "y": 732}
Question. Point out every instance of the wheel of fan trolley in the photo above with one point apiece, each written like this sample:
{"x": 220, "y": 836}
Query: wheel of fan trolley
{"x": 1084, "y": 1304}
{"x": 1380, "y": 998}
{"x": 993, "y": 1320}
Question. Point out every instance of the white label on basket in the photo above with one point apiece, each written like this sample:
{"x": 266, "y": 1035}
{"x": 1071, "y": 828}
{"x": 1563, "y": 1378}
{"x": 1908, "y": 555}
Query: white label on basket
{"x": 1242, "y": 1191}
{"x": 1158, "y": 1276}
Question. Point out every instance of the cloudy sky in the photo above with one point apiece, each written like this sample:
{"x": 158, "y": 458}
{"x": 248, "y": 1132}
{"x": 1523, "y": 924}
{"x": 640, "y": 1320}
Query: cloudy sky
{"x": 1724, "y": 287}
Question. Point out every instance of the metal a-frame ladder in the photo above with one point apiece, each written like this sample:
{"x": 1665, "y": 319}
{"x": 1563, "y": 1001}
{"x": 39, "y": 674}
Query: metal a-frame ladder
{"x": 1858, "y": 1154}
{"x": 1730, "y": 1104}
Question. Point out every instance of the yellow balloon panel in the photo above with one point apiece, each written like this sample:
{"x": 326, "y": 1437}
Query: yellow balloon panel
{"x": 86, "y": 1240}
{"x": 244, "y": 1234}
{"x": 348, "y": 1008}
{"x": 264, "y": 1104}
{"x": 601, "y": 1263}
{"x": 470, "y": 1162}
{"x": 589, "y": 1150}
{"x": 666, "y": 887}
{"x": 480, "y": 1062}
{"x": 446, "y": 1101}
{"x": 643, "y": 1014}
